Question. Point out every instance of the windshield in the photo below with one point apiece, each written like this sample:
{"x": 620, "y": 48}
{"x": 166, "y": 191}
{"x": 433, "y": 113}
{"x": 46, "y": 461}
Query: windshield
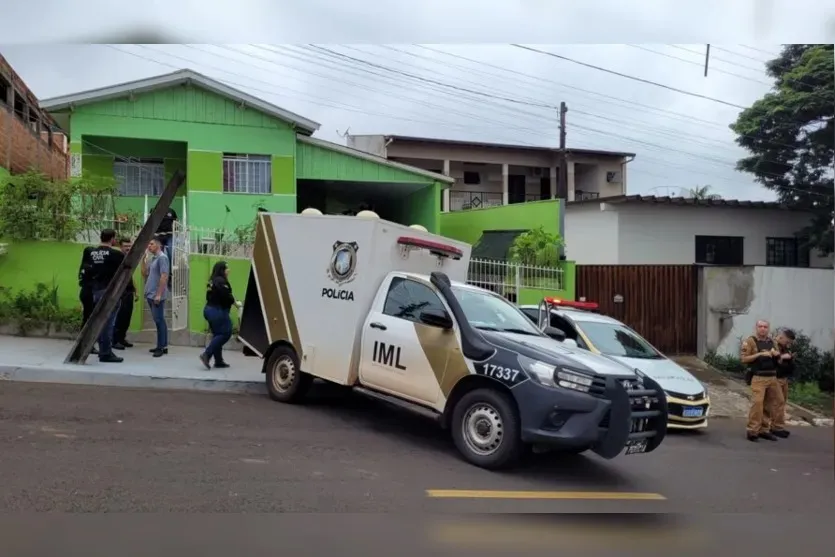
{"x": 493, "y": 313}
{"x": 614, "y": 339}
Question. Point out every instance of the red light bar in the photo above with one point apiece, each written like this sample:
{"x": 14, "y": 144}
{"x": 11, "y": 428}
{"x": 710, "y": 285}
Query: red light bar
{"x": 572, "y": 304}
{"x": 434, "y": 248}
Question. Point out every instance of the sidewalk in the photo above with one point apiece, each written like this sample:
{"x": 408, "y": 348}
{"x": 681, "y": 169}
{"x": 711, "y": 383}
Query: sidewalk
{"x": 41, "y": 360}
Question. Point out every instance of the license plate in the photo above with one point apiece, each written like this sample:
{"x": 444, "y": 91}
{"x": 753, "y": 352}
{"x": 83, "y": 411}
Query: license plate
{"x": 636, "y": 447}
{"x": 692, "y": 412}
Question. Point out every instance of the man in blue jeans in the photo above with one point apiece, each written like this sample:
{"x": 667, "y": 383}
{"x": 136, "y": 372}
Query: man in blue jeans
{"x": 156, "y": 270}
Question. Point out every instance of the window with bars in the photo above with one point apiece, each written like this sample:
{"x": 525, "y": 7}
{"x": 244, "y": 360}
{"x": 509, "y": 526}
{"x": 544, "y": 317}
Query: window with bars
{"x": 247, "y": 174}
{"x": 786, "y": 252}
{"x": 719, "y": 250}
{"x": 138, "y": 177}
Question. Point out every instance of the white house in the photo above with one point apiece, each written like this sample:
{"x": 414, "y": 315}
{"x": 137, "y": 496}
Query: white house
{"x": 649, "y": 230}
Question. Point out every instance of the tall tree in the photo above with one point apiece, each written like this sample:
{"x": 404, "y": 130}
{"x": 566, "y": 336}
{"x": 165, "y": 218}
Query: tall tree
{"x": 790, "y": 133}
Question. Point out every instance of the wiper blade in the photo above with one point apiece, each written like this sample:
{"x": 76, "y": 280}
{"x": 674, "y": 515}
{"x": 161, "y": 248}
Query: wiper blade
{"x": 518, "y": 331}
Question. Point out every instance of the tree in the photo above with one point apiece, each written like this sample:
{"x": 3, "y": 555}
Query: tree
{"x": 703, "y": 192}
{"x": 790, "y": 133}
{"x": 536, "y": 247}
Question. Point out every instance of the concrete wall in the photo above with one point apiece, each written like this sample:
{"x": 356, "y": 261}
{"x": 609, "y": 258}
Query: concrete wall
{"x": 591, "y": 235}
{"x": 732, "y": 299}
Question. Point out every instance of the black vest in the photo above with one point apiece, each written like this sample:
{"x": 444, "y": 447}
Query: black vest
{"x": 763, "y": 366}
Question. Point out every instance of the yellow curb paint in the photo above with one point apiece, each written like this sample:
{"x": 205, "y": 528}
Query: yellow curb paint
{"x": 567, "y": 495}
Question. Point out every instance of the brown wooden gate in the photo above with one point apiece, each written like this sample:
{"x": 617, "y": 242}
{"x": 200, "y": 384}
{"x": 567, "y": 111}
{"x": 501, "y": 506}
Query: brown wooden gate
{"x": 658, "y": 301}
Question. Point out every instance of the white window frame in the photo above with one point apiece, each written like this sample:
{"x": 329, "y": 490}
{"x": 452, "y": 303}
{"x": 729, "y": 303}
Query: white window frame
{"x": 137, "y": 178}
{"x": 250, "y": 174}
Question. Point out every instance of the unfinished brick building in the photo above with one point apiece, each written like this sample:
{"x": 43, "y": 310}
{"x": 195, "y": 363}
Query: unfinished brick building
{"x": 29, "y": 137}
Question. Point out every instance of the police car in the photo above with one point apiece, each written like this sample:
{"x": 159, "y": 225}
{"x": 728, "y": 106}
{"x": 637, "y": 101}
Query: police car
{"x": 688, "y": 402}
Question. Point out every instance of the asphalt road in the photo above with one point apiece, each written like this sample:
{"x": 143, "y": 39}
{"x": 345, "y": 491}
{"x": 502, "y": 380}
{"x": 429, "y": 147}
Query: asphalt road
{"x": 93, "y": 449}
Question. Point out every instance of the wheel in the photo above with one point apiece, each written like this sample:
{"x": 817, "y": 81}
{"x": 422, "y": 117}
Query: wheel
{"x": 285, "y": 381}
{"x": 485, "y": 429}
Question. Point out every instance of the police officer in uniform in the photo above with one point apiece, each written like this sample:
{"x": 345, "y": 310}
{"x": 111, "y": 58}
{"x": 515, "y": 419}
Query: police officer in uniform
{"x": 85, "y": 285}
{"x": 785, "y": 371}
{"x": 759, "y": 353}
{"x": 105, "y": 261}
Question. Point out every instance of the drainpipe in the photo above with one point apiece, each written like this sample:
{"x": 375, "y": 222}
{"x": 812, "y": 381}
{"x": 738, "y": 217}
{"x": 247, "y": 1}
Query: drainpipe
{"x": 623, "y": 171}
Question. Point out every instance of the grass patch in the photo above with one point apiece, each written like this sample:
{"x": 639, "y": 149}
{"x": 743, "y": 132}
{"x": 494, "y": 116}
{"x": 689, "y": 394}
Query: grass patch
{"x": 809, "y": 395}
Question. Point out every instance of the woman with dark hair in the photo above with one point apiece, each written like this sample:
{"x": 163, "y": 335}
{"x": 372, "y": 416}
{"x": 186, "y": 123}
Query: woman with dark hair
{"x": 219, "y": 300}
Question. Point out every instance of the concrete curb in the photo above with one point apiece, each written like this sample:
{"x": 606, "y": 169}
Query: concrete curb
{"x": 37, "y": 374}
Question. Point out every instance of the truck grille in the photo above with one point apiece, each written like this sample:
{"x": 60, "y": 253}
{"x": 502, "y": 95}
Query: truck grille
{"x": 644, "y": 405}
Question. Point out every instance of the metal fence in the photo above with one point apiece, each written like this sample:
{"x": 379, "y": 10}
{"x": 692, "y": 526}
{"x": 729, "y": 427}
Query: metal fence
{"x": 234, "y": 244}
{"x": 507, "y": 278}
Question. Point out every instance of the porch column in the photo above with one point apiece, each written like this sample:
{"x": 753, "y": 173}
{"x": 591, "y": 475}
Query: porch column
{"x": 445, "y": 204}
{"x": 569, "y": 186}
{"x": 553, "y": 182}
{"x": 505, "y": 172}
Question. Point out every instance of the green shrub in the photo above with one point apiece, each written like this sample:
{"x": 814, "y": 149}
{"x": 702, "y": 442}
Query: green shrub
{"x": 37, "y": 309}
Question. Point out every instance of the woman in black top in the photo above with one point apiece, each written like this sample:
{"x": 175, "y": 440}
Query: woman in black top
{"x": 219, "y": 300}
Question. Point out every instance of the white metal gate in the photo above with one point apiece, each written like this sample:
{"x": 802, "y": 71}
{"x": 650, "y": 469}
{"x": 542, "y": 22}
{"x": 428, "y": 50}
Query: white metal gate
{"x": 178, "y": 253}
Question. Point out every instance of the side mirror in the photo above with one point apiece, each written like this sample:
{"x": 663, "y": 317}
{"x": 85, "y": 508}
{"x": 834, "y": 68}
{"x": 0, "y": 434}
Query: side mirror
{"x": 554, "y": 333}
{"x": 570, "y": 342}
{"x": 436, "y": 318}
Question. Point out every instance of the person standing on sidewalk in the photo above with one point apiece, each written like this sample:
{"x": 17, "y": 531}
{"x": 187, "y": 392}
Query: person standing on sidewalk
{"x": 219, "y": 300}
{"x": 85, "y": 286}
{"x": 758, "y": 353}
{"x": 785, "y": 371}
{"x": 104, "y": 263}
{"x": 129, "y": 297}
{"x": 156, "y": 270}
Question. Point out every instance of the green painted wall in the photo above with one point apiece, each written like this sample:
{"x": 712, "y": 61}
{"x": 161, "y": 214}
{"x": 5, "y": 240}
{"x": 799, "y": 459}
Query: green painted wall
{"x": 209, "y": 210}
{"x": 28, "y": 263}
{"x": 317, "y": 163}
{"x": 467, "y": 226}
{"x": 200, "y": 268}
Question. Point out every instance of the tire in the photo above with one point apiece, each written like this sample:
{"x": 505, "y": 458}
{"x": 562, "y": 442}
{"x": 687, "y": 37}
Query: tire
{"x": 285, "y": 381}
{"x": 499, "y": 444}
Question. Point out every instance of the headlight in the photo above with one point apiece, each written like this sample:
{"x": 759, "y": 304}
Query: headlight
{"x": 538, "y": 371}
{"x": 572, "y": 380}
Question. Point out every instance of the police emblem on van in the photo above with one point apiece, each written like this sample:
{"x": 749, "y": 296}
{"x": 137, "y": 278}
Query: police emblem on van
{"x": 343, "y": 264}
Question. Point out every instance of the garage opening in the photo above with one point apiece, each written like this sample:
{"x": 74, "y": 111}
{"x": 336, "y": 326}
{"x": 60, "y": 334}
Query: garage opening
{"x": 403, "y": 203}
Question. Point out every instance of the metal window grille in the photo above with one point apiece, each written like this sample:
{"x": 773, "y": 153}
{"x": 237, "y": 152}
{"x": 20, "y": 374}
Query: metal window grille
{"x": 247, "y": 174}
{"x": 137, "y": 178}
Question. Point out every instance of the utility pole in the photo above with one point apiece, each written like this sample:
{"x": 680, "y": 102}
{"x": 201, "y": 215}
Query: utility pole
{"x": 707, "y": 58}
{"x": 562, "y": 176}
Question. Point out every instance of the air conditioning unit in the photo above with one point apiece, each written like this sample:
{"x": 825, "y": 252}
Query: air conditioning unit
{"x": 537, "y": 172}
{"x": 615, "y": 177}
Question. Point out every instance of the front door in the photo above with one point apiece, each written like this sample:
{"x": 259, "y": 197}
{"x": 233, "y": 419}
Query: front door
{"x": 399, "y": 353}
{"x": 516, "y": 188}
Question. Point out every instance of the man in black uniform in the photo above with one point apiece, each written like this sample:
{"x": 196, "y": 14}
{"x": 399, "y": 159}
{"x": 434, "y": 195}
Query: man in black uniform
{"x": 104, "y": 262}
{"x": 85, "y": 284}
{"x": 129, "y": 297}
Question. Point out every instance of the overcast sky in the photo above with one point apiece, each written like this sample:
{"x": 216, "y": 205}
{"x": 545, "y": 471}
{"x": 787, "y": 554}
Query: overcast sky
{"x": 497, "y": 93}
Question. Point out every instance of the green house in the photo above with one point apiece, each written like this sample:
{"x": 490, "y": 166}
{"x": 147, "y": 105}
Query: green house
{"x": 239, "y": 154}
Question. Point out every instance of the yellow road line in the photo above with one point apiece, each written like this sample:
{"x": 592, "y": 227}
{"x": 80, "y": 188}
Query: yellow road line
{"x": 566, "y": 495}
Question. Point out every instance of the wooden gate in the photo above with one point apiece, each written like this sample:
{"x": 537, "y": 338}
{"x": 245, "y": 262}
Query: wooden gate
{"x": 658, "y": 301}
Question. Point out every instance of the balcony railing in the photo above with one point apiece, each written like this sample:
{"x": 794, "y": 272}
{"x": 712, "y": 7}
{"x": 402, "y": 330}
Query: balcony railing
{"x": 580, "y": 195}
{"x": 463, "y": 200}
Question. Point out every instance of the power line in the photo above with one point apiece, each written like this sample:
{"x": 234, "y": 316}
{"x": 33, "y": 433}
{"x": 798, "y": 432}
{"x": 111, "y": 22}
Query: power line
{"x": 632, "y": 77}
{"x": 700, "y": 64}
{"x": 717, "y": 58}
{"x": 760, "y": 50}
{"x": 714, "y": 47}
{"x": 535, "y": 131}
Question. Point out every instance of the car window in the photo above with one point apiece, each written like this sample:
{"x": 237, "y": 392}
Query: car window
{"x": 614, "y": 339}
{"x": 568, "y": 328}
{"x": 406, "y": 299}
{"x": 532, "y": 314}
{"x": 491, "y": 312}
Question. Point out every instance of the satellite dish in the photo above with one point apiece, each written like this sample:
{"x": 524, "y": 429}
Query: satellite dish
{"x": 311, "y": 211}
{"x": 419, "y": 227}
{"x": 368, "y": 215}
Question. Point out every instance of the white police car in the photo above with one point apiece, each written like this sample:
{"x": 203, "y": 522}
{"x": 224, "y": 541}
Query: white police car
{"x": 688, "y": 402}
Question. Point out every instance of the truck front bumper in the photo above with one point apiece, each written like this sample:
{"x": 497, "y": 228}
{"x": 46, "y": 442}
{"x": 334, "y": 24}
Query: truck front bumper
{"x": 617, "y": 413}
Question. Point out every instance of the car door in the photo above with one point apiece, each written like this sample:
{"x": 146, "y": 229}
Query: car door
{"x": 569, "y": 329}
{"x": 400, "y": 355}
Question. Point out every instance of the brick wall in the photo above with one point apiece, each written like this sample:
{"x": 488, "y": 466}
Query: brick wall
{"x": 22, "y": 149}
